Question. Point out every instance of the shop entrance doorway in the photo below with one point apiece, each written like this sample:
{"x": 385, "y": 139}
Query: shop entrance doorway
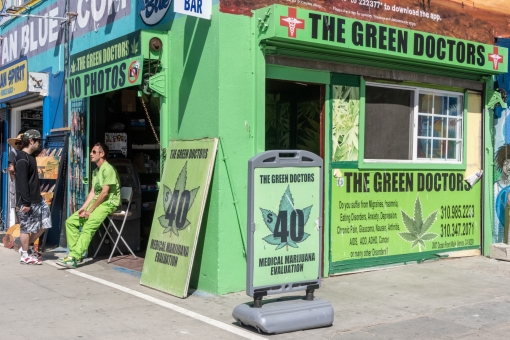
{"x": 128, "y": 128}
{"x": 294, "y": 116}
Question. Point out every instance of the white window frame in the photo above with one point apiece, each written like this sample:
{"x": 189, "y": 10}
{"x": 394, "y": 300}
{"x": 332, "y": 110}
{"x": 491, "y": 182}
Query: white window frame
{"x": 414, "y": 126}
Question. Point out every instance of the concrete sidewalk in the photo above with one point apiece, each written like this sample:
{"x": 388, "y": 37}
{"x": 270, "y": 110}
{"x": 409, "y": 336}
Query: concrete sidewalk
{"x": 464, "y": 298}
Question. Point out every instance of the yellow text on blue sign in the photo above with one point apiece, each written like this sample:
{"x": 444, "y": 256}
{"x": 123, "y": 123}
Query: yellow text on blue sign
{"x": 14, "y": 80}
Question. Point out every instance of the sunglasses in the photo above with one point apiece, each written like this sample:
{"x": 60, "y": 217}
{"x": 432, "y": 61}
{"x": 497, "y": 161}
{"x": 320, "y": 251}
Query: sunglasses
{"x": 94, "y": 151}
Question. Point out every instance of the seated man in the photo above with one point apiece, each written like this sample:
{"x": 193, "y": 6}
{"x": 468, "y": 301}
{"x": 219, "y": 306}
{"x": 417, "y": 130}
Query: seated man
{"x": 103, "y": 199}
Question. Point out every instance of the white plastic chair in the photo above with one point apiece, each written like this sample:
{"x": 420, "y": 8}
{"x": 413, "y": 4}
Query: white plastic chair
{"x": 126, "y": 194}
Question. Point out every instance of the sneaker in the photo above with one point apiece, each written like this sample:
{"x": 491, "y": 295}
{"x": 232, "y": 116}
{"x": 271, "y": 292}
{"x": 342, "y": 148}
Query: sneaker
{"x": 30, "y": 260}
{"x": 69, "y": 262}
{"x": 31, "y": 252}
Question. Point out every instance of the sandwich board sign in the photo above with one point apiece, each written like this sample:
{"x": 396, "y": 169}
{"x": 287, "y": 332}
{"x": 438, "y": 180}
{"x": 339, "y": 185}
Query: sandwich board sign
{"x": 284, "y": 222}
{"x": 284, "y": 242}
{"x": 178, "y": 215}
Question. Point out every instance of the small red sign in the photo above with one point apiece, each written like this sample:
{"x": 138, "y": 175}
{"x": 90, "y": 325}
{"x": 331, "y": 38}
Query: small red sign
{"x": 495, "y": 58}
{"x": 292, "y": 22}
{"x": 134, "y": 71}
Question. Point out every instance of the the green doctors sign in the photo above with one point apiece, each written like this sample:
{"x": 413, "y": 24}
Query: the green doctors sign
{"x": 107, "y": 67}
{"x": 387, "y": 213}
{"x": 284, "y": 222}
{"x": 280, "y": 25}
{"x": 178, "y": 214}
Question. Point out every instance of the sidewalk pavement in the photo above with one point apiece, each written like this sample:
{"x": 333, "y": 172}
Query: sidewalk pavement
{"x": 466, "y": 298}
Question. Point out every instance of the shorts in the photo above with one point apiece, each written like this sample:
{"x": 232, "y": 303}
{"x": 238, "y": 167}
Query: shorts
{"x": 38, "y": 217}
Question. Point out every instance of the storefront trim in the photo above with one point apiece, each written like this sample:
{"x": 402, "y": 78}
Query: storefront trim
{"x": 297, "y": 74}
{"x": 381, "y": 74}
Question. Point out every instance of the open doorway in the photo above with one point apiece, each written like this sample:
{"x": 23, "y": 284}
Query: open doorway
{"x": 294, "y": 116}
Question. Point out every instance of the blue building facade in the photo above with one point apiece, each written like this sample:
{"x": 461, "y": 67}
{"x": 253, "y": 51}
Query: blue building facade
{"x": 47, "y": 38}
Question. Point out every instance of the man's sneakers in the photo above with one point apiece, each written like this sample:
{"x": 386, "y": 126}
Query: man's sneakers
{"x": 31, "y": 252}
{"x": 68, "y": 261}
{"x": 29, "y": 259}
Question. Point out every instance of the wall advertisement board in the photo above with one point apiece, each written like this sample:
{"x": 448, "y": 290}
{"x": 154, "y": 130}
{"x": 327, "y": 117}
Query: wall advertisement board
{"x": 377, "y": 214}
{"x": 14, "y": 80}
{"x": 359, "y": 39}
{"x": 107, "y": 67}
{"x": 32, "y": 36}
{"x": 479, "y": 21}
{"x": 178, "y": 215}
{"x": 284, "y": 222}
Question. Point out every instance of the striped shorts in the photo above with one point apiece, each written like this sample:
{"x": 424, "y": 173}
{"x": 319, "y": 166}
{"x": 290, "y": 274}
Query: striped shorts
{"x": 38, "y": 217}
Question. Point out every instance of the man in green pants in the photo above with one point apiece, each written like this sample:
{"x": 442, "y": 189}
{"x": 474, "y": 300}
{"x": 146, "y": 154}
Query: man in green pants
{"x": 103, "y": 199}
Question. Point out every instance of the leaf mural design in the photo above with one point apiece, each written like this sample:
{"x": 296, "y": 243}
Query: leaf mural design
{"x": 280, "y": 224}
{"x": 417, "y": 228}
{"x": 177, "y": 203}
{"x": 345, "y": 120}
{"x": 134, "y": 47}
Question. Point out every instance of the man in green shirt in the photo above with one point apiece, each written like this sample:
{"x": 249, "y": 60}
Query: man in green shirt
{"x": 103, "y": 199}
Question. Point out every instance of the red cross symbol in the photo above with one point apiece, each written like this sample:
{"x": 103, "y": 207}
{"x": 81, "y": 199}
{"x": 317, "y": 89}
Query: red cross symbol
{"x": 292, "y": 22}
{"x": 495, "y": 58}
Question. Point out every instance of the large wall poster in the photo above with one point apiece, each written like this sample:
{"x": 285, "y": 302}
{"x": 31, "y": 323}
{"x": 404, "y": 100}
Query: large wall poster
{"x": 479, "y": 21}
{"x": 384, "y": 213}
{"x": 346, "y": 109}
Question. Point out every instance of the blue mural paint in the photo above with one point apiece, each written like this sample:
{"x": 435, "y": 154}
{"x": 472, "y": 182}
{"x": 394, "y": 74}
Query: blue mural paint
{"x": 501, "y": 157}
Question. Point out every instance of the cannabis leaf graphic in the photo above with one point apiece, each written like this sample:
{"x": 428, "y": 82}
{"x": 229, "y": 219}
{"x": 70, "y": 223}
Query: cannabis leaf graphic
{"x": 134, "y": 47}
{"x": 287, "y": 227}
{"x": 73, "y": 67}
{"x": 177, "y": 203}
{"x": 417, "y": 228}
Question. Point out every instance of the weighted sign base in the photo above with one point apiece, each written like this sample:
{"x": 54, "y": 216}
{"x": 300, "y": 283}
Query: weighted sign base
{"x": 285, "y": 315}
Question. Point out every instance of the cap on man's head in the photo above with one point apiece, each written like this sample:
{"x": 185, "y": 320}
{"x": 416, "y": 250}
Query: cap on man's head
{"x": 34, "y": 134}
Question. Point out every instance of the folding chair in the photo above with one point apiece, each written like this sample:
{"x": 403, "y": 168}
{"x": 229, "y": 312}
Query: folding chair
{"x": 126, "y": 194}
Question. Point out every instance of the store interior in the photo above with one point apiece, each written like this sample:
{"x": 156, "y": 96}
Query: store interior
{"x": 119, "y": 119}
{"x": 293, "y": 116}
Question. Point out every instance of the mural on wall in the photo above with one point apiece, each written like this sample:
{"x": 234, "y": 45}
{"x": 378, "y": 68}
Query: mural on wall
{"x": 501, "y": 156}
{"x": 32, "y": 36}
{"x": 385, "y": 213}
{"x": 470, "y": 20}
{"x": 501, "y": 191}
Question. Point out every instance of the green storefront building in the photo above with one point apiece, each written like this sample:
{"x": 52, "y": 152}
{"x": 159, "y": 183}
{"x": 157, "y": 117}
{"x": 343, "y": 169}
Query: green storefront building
{"x": 399, "y": 114}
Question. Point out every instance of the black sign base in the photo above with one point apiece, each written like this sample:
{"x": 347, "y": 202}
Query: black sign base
{"x": 287, "y": 314}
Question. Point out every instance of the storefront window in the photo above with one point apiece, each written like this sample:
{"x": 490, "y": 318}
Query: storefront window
{"x": 345, "y": 123}
{"x": 409, "y": 124}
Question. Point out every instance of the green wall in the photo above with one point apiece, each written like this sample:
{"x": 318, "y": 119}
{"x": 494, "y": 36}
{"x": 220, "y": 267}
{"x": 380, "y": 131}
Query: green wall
{"x": 216, "y": 83}
{"x": 209, "y": 98}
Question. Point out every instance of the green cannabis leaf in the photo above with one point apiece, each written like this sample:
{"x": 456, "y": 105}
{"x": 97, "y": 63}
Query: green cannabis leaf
{"x": 177, "y": 204}
{"x": 417, "y": 228}
{"x": 134, "y": 47}
{"x": 280, "y": 224}
{"x": 73, "y": 67}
